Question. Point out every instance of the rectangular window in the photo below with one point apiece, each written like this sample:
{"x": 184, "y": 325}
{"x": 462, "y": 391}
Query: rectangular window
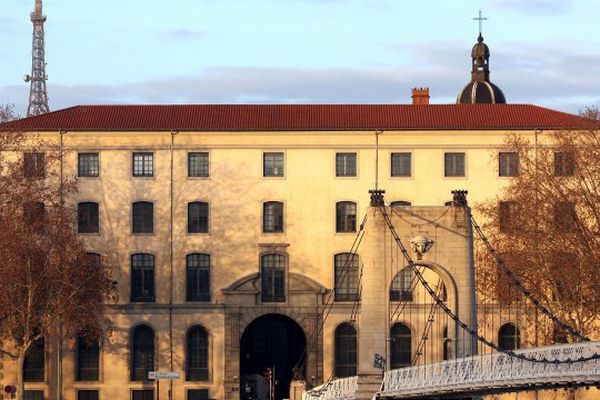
{"x": 142, "y": 278}
{"x": 88, "y": 165}
{"x": 346, "y": 277}
{"x": 197, "y": 217}
{"x": 198, "y": 277}
{"x": 143, "y": 164}
{"x": 142, "y": 217}
{"x": 508, "y": 164}
{"x": 34, "y": 165}
{"x": 454, "y": 164}
{"x": 198, "y": 165}
{"x": 87, "y": 395}
{"x": 197, "y": 394}
{"x": 34, "y": 213}
{"x": 564, "y": 164}
{"x": 506, "y": 215}
{"x": 33, "y": 395}
{"x": 272, "y": 271}
{"x": 88, "y": 359}
{"x": 345, "y": 216}
{"x": 34, "y": 363}
{"x": 88, "y": 218}
{"x": 345, "y": 164}
{"x": 146, "y": 394}
{"x": 401, "y": 164}
{"x": 272, "y": 217}
{"x": 565, "y": 216}
{"x": 272, "y": 164}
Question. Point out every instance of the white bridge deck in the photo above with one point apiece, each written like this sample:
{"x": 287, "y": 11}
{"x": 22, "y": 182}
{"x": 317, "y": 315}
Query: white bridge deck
{"x": 482, "y": 374}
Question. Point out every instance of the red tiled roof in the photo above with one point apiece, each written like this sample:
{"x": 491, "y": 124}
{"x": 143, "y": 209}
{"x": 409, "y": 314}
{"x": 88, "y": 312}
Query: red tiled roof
{"x": 234, "y": 117}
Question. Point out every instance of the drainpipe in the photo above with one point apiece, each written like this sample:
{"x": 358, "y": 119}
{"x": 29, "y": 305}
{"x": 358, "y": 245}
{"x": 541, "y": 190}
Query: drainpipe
{"x": 59, "y": 382}
{"x": 173, "y": 133}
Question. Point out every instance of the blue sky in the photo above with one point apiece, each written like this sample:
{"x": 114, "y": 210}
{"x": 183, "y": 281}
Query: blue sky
{"x": 545, "y": 52}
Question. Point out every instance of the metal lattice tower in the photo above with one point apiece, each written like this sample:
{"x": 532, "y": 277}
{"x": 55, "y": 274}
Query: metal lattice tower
{"x": 38, "y": 95}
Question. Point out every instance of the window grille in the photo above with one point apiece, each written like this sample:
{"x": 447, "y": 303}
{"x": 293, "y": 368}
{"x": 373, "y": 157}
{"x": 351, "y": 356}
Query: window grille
{"x": 142, "y": 354}
{"x": 345, "y": 351}
{"x": 272, "y": 164}
{"x": 454, "y": 164}
{"x": 88, "y": 359}
{"x": 509, "y": 337}
{"x": 197, "y": 217}
{"x": 508, "y": 164}
{"x": 88, "y": 217}
{"x": 34, "y": 165}
{"x": 272, "y": 217}
{"x": 142, "y": 216}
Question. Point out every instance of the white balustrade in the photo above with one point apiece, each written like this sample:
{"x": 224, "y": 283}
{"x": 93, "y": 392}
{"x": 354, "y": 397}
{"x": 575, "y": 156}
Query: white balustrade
{"x": 496, "y": 371}
{"x": 337, "y": 389}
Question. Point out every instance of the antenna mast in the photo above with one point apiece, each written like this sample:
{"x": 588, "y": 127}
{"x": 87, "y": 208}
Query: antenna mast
{"x": 38, "y": 95}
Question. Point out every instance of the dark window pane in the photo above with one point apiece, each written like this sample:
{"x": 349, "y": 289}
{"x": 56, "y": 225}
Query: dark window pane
{"x": 401, "y": 164}
{"x": 143, "y": 164}
{"x": 565, "y": 216}
{"x": 564, "y": 164}
{"x": 142, "y": 216}
{"x": 197, "y": 217}
{"x": 345, "y": 351}
{"x": 197, "y": 355}
{"x": 508, "y": 164}
{"x": 198, "y": 277}
{"x": 33, "y": 365}
{"x": 87, "y": 395}
{"x": 272, "y": 271}
{"x": 402, "y": 286}
{"x": 88, "y": 359}
{"x": 345, "y": 164}
{"x": 33, "y": 395}
{"x": 88, "y": 218}
{"x": 34, "y": 213}
{"x": 142, "y": 278}
{"x": 400, "y": 203}
{"x": 142, "y": 353}
{"x": 400, "y": 346}
{"x": 88, "y": 165}
{"x": 509, "y": 337}
{"x": 146, "y": 394}
{"x": 273, "y": 216}
{"x": 198, "y": 164}
{"x": 272, "y": 164}
{"x": 506, "y": 215}
{"x": 454, "y": 164}
{"x": 345, "y": 216}
{"x": 34, "y": 165}
{"x": 346, "y": 277}
{"x": 197, "y": 394}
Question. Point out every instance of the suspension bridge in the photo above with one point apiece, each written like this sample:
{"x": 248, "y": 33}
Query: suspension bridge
{"x": 504, "y": 342}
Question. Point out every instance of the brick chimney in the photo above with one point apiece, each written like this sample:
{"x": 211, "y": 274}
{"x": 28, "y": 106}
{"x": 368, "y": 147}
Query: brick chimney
{"x": 420, "y": 96}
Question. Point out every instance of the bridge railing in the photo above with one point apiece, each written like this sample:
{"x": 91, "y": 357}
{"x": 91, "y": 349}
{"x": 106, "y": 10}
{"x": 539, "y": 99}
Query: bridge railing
{"x": 497, "y": 370}
{"x": 337, "y": 389}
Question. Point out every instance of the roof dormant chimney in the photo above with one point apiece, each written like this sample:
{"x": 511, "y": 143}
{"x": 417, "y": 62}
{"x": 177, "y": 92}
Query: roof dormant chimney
{"x": 420, "y": 96}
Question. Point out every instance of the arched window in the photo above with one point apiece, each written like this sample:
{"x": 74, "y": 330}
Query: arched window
{"x": 346, "y": 277}
{"x": 88, "y": 217}
{"x": 197, "y": 355}
{"x": 402, "y": 289}
{"x": 198, "y": 277}
{"x": 345, "y": 350}
{"x": 142, "y": 352}
{"x": 197, "y": 217}
{"x": 33, "y": 365}
{"x": 401, "y": 346}
{"x": 509, "y": 337}
{"x": 272, "y": 216}
{"x": 272, "y": 274}
{"x": 400, "y": 203}
{"x": 142, "y": 277}
{"x": 88, "y": 359}
{"x": 345, "y": 216}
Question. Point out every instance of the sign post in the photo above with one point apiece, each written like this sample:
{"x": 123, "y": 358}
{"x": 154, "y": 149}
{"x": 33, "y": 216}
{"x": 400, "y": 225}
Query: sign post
{"x": 158, "y": 376}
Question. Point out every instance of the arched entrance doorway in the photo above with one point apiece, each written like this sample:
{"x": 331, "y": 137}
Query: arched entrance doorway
{"x": 271, "y": 341}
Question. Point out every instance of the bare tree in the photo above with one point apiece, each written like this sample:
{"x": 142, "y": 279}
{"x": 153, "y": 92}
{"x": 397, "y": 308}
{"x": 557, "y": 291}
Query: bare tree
{"x": 50, "y": 279}
{"x": 546, "y": 225}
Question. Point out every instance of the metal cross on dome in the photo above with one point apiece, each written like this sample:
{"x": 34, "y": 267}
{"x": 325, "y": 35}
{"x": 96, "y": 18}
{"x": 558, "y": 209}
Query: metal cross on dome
{"x": 480, "y": 18}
